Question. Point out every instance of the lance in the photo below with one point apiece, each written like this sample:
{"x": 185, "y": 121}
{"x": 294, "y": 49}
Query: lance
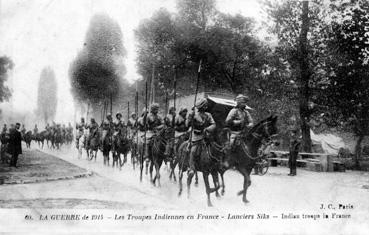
{"x": 127, "y": 119}
{"x": 145, "y": 127}
{"x": 136, "y": 111}
{"x": 194, "y": 104}
{"x": 175, "y": 94}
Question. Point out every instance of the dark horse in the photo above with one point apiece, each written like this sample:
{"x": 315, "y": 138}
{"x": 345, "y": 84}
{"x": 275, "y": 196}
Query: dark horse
{"x": 243, "y": 158}
{"x": 28, "y": 138}
{"x": 121, "y": 146}
{"x": 206, "y": 161}
{"x": 245, "y": 155}
{"x": 156, "y": 153}
{"x": 93, "y": 146}
{"x": 105, "y": 146}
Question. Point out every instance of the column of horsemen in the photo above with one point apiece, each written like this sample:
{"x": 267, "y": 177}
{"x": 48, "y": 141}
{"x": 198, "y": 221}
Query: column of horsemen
{"x": 140, "y": 130}
{"x": 55, "y": 134}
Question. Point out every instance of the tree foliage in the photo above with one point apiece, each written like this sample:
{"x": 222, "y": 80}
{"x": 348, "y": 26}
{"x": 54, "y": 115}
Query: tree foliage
{"x": 96, "y": 73}
{"x": 6, "y": 64}
{"x": 47, "y": 95}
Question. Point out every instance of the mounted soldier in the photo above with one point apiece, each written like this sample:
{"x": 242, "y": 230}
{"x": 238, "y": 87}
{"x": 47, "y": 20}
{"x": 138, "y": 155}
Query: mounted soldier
{"x": 132, "y": 125}
{"x": 93, "y": 128}
{"x": 180, "y": 125}
{"x": 119, "y": 125}
{"x": 23, "y": 130}
{"x": 80, "y": 127}
{"x": 35, "y": 130}
{"x": 5, "y": 129}
{"x": 238, "y": 119}
{"x": 203, "y": 125}
{"x": 154, "y": 123}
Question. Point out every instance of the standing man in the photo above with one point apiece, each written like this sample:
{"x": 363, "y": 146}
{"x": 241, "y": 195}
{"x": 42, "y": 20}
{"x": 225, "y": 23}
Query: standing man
{"x": 203, "y": 124}
{"x": 294, "y": 146}
{"x": 238, "y": 119}
{"x": 15, "y": 145}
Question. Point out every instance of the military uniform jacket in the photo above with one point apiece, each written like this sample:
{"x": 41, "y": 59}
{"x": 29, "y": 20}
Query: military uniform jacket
{"x": 201, "y": 120}
{"x": 153, "y": 121}
{"x": 81, "y": 126}
{"x": 237, "y": 114}
{"x": 180, "y": 124}
{"x": 169, "y": 122}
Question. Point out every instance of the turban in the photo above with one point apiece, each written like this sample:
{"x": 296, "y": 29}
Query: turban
{"x": 154, "y": 107}
{"x": 242, "y": 99}
{"x": 201, "y": 103}
{"x": 118, "y": 114}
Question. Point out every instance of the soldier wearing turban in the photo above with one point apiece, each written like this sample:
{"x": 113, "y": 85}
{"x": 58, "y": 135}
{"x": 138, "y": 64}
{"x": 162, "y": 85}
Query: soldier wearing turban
{"x": 238, "y": 119}
{"x": 203, "y": 123}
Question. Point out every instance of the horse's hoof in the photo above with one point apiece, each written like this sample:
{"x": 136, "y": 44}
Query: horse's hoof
{"x": 222, "y": 192}
{"x": 196, "y": 184}
{"x": 210, "y": 204}
{"x": 245, "y": 201}
{"x": 179, "y": 193}
{"x": 217, "y": 195}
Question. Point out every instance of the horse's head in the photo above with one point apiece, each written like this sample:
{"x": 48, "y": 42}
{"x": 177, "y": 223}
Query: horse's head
{"x": 264, "y": 129}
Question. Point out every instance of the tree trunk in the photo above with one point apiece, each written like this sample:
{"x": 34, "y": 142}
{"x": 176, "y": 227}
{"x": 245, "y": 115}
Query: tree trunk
{"x": 358, "y": 151}
{"x": 304, "y": 79}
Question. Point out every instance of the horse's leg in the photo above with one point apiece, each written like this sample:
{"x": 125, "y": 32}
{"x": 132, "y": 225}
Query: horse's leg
{"x": 196, "y": 179}
{"x": 120, "y": 161}
{"x": 180, "y": 176}
{"x": 157, "y": 169}
{"x": 207, "y": 186}
{"x": 189, "y": 180}
{"x": 151, "y": 169}
{"x": 216, "y": 183}
{"x": 146, "y": 166}
{"x": 246, "y": 184}
{"x": 223, "y": 185}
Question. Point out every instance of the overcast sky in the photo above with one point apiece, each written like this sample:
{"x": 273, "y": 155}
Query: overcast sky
{"x": 39, "y": 33}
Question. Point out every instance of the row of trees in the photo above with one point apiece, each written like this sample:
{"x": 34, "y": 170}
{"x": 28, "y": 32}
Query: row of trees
{"x": 317, "y": 69}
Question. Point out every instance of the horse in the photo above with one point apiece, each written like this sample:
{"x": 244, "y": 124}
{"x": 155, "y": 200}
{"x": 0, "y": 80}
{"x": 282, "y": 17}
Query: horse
{"x": 243, "y": 158}
{"x": 93, "y": 146}
{"x": 40, "y": 138}
{"x": 105, "y": 146}
{"x": 28, "y": 138}
{"x": 120, "y": 147}
{"x": 206, "y": 162}
{"x": 245, "y": 155}
{"x": 57, "y": 139}
{"x": 174, "y": 153}
{"x": 156, "y": 151}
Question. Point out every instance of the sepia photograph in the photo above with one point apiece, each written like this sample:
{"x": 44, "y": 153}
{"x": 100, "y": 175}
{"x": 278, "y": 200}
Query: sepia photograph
{"x": 184, "y": 117}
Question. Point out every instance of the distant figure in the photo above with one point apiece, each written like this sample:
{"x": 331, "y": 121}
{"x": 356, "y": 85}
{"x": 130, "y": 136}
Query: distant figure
{"x": 15, "y": 145}
{"x": 5, "y": 129}
{"x": 35, "y": 130}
